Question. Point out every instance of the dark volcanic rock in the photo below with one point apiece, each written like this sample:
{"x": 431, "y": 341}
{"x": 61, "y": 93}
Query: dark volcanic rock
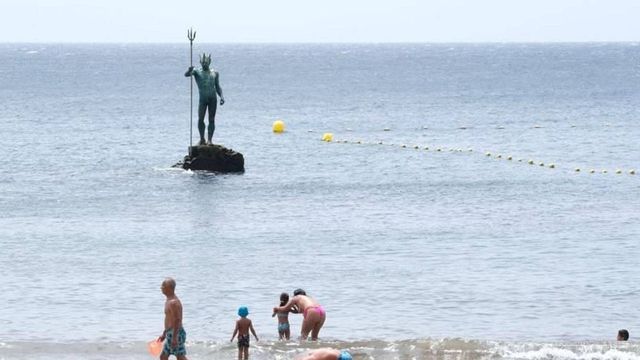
{"x": 215, "y": 158}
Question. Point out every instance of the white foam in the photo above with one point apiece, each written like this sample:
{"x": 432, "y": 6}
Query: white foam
{"x": 587, "y": 353}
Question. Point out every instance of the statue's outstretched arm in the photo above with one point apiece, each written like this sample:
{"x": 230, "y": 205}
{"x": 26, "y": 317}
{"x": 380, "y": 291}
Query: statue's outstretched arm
{"x": 189, "y": 71}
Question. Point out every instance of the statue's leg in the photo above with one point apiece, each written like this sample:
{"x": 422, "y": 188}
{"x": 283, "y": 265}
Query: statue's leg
{"x": 213, "y": 105}
{"x": 202, "y": 108}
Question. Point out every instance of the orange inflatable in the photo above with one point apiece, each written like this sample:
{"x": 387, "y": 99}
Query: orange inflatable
{"x": 154, "y": 347}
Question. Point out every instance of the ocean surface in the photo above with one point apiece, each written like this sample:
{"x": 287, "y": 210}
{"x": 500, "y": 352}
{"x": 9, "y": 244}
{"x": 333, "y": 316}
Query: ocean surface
{"x": 490, "y": 244}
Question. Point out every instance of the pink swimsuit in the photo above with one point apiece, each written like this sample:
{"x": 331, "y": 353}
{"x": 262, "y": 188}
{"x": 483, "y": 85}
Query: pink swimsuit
{"x": 317, "y": 308}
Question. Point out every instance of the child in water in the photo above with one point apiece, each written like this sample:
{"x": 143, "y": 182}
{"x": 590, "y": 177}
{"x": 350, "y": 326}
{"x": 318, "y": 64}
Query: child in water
{"x": 283, "y": 318}
{"x": 243, "y": 325}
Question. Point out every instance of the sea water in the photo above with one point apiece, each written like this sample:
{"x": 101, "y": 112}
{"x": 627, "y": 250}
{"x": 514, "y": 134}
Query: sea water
{"x": 450, "y": 252}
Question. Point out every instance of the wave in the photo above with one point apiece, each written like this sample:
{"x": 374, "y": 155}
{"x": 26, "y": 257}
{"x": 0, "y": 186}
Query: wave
{"x": 443, "y": 349}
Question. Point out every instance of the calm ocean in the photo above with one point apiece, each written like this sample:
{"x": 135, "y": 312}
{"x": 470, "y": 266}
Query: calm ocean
{"x": 461, "y": 251}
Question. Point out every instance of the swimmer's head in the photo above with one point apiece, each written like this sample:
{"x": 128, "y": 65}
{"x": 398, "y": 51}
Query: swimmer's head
{"x": 243, "y": 311}
{"x": 344, "y": 355}
{"x": 623, "y": 335}
{"x": 297, "y": 292}
{"x": 284, "y": 298}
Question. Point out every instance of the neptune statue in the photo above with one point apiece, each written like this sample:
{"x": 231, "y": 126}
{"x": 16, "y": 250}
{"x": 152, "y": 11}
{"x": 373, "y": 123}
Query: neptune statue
{"x": 208, "y": 86}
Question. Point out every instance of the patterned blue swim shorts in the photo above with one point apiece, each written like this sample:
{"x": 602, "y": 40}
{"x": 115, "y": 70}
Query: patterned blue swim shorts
{"x": 180, "y": 349}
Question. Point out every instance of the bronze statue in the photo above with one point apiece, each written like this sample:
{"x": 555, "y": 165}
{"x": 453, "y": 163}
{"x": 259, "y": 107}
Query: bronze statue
{"x": 208, "y": 87}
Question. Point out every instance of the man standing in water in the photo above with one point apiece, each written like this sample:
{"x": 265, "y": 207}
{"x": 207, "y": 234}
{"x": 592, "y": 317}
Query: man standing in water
{"x": 173, "y": 335}
{"x": 208, "y": 87}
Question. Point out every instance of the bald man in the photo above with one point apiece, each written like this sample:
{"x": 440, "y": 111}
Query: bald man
{"x": 173, "y": 333}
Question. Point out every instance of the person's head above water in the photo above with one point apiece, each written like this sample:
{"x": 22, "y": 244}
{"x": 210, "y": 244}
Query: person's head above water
{"x": 284, "y": 299}
{"x": 623, "y": 335}
{"x": 297, "y": 292}
{"x": 205, "y": 61}
{"x": 168, "y": 286}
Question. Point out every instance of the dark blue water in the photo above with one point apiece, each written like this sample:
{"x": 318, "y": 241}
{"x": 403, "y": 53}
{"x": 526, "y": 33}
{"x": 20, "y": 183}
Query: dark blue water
{"x": 397, "y": 243}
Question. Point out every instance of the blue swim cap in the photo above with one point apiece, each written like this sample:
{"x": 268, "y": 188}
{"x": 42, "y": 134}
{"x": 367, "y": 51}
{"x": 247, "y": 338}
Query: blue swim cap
{"x": 243, "y": 311}
{"x": 344, "y": 355}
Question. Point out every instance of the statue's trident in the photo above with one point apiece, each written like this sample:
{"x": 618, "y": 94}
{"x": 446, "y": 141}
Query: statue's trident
{"x": 191, "y": 35}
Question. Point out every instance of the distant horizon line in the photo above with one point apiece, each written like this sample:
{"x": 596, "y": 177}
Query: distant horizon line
{"x": 319, "y": 42}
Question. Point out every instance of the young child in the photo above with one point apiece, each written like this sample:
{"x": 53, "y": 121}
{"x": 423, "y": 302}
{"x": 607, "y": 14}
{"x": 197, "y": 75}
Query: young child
{"x": 243, "y": 325}
{"x": 283, "y": 318}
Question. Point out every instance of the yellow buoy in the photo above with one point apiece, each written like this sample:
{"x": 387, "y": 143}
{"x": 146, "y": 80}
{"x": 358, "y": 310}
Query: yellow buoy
{"x": 328, "y": 137}
{"x": 278, "y": 126}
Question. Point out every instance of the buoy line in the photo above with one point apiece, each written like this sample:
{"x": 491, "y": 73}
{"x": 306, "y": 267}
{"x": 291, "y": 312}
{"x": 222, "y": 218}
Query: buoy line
{"x": 328, "y": 137}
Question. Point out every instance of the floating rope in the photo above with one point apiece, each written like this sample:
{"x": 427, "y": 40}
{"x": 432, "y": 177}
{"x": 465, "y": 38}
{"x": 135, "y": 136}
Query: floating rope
{"x": 488, "y": 154}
